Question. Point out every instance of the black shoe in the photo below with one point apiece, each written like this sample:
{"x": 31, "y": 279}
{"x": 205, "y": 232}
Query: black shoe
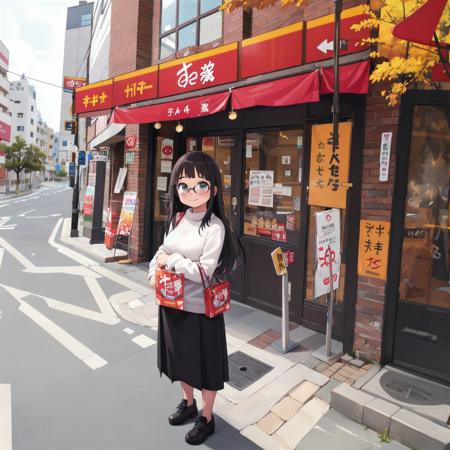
{"x": 183, "y": 413}
{"x": 202, "y": 429}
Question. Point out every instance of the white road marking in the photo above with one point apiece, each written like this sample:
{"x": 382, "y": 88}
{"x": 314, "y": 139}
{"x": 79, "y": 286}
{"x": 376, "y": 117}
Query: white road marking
{"x": 128, "y": 330}
{"x": 26, "y": 212}
{"x": 6, "y": 204}
{"x": 55, "y": 215}
{"x": 2, "y": 251}
{"x": 22, "y": 259}
{"x": 74, "y": 346}
{"x": 143, "y": 341}
{"x": 5, "y": 417}
{"x": 100, "y": 297}
{"x": 135, "y": 304}
{"x": 4, "y": 225}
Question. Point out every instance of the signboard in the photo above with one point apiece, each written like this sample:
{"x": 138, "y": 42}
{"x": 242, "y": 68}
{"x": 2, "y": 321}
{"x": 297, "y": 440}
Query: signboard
{"x": 328, "y": 251}
{"x": 373, "y": 248}
{"x": 71, "y": 83}
{"x": 94, "y": 97}
{"x": 57, "y": 167}
{"x": 328, "y": 176}
{"x": 5, "y": 131}
{"x": 279, "y": 262}
{"x": 81, "y": 158}
{"x": 127, "y": 213}
{"x": 260, "y": 191}
{"x": 72, "y": 169}
{"x": 167, "y": 149}
{"x": 129, "y": 157}
{"x": 130, "y": 142}
{"x": 385, "y": 153}
{"x": 272, "y": 51}
{"x": 135, "y": 86}
{"x": 88, "y": 206}
{"x": 69, "y": 125}
{"x": 199, "y": 71}
{"x": 120, "y": 180}
{"x": 320, "y": 33}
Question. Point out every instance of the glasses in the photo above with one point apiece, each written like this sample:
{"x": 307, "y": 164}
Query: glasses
{"x": 202, "y": 187}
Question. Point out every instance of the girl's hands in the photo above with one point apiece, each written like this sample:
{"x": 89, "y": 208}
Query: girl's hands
{"x": 162, "y": 260}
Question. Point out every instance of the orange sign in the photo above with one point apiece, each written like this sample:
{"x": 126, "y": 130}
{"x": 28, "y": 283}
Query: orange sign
{"x": 135, "y": 86}
{"x": 328, "y": 178}
{"x": 93, "y": 97}
{"x": 373, "y": 248}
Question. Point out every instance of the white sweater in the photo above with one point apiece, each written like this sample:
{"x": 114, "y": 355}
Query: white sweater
{"x": 186, "y": 246}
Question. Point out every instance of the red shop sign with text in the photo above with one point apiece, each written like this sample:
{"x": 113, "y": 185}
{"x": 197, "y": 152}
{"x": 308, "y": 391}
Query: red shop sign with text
{"x": 272, "y": 51}
{"x": 200, "y": 71}
{"x": 135, "y": 86}
{"x": 71, "y": 83}
{"x": 320, "y": 32}
{"x": 130, "y": 142}
{"x": 94, "y": 97}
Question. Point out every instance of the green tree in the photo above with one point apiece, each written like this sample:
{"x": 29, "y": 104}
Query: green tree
{"x": 61, "y": 173}
{"x": 22, "y": 156}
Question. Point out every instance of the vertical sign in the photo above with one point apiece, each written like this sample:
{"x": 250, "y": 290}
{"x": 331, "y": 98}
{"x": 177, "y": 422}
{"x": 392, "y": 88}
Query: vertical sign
{"x": 88, "y": 207}
{"x": 328, "y": 176}
{"x": 373, "y": 248}
{"x": 385, "y": 153}
{"x": 328, "y": 251}
{"x": 127, "y": 213}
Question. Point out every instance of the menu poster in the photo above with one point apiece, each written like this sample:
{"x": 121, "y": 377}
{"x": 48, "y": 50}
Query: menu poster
{"x": 127, "y": 213}
{"x": 260, "y": 192}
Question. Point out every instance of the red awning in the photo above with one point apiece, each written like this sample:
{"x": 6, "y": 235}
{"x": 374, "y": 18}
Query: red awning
{"x": 353, "y": 79}
{"x": 420, "y": 26}
{"x": 283, "y": 92}
{"x": 181, "y": 109}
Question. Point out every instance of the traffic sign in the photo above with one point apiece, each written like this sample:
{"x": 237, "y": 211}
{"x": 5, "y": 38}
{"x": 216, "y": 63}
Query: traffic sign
{"x": 72, "y": 169}
{"x": 81, "y": 158}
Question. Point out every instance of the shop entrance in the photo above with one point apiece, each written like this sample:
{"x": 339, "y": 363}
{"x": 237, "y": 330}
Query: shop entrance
{"x": 422, "y": 326}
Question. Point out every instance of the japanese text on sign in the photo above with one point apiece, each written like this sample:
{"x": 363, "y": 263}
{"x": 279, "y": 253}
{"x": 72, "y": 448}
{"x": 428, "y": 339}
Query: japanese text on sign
{"x": 329, "y": 167}
{"x": 190, "y": 77}
{"x": 373, "y": 248}
{"x": 328, "y": 251}
{"x": 385, "y": 152}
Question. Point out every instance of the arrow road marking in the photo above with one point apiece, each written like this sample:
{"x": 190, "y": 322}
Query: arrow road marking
{"x": 26, "y": 212}
{"x": 325, "y": 46}
{"x": 4, "y": 225}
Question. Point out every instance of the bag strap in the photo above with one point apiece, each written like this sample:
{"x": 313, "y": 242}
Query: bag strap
{"x": 203, "y": 275}
{"x": 180, "y": 216}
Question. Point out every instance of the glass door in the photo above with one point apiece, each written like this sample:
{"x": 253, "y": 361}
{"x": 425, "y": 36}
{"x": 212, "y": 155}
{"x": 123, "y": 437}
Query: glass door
{"x": 422, "y": 332}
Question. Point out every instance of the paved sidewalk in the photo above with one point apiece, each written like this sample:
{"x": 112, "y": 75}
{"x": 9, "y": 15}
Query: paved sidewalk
{"x": 290, "y": 404}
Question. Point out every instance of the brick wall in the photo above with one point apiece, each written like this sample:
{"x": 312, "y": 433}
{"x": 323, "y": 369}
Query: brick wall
{"x": 376, "y": 204}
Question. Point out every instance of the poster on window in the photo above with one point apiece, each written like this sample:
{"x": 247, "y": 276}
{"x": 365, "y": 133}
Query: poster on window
{"x": 328, "y": 178}
{"x": 260, "y": 191}
{"x": 127, "y": 213}
{"x": 328, "y": 251}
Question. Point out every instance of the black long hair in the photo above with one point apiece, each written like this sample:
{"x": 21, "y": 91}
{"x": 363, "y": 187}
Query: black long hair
{"x": 197, "y": 163}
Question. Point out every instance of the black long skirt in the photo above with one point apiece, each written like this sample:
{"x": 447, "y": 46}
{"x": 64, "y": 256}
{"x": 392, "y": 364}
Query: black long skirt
{"x": 192, "y": 348}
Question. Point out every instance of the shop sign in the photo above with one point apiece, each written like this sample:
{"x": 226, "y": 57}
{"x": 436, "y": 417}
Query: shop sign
{"x": 81, "y": 158}
{"x": 328, "y": 179}
{"x": 272, "y": 51}
{"x": 71, "y": 169}
{"x": 130, "y": 142}
{"x": 127, "y": 213}
{"x": 200, "y": 71}
{"x": 373, "y": 248}
{"x": 71, "y": 83}
{"x": 260, "y": 192}
{"x": 129, "y": 157}
{"x": 167, "y": 149}
{"x": 385, "y": 153}
{"x": 279, "y": 261}
{"x": 135, "y": 86}
{"x": 88, "y": 207}
{"x": 94, "y": 97}
{"x": 320, "y": 33}
{"x": 5, "y": 131}
{"x": 328, "y": 251}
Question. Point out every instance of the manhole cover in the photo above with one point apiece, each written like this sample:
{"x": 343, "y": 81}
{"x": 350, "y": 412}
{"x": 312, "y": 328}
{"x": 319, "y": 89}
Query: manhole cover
{"x": 245, "y": 370}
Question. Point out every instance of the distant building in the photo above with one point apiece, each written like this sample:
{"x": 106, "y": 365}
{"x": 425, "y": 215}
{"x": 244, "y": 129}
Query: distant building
{"x": 76, "y": 51}
{"x": 5, "y": 117}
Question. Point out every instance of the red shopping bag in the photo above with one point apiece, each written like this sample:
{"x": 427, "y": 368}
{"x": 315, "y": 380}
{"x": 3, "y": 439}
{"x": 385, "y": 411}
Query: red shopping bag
{"x": 169, "y": 288}
{"x": 217, "y": 296}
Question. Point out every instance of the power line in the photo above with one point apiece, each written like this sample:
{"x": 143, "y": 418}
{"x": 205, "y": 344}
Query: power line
{"x": 35, "y": 79}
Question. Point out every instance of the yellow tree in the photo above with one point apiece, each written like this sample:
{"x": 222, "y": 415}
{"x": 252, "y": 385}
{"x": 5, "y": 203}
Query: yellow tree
{"x": 398, "y": 62}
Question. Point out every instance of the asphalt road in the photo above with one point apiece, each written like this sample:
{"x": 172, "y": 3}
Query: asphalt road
{"x": 81, "y": 378}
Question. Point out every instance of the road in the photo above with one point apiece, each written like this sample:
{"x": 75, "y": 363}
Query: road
{"x": 80, "y": 377}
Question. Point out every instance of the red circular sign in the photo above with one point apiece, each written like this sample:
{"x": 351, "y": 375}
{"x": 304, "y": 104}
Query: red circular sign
{"x": 328, "y": 217}
{"x": 167, "y": 150}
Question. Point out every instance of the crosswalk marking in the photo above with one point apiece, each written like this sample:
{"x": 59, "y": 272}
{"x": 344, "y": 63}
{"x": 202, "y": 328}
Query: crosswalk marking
{"x": 5, "y": 417}
{"x": 143, "y": 341}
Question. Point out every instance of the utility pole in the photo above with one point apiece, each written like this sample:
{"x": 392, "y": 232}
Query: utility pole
{"x": 76, "y": 189}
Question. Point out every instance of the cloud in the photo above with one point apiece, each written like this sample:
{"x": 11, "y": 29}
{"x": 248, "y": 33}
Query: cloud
{"x": 33, "y": 31}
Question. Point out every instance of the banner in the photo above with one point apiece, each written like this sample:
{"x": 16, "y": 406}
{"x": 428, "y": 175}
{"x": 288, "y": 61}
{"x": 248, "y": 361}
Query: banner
{"x": 88, "y": 207}
{"x": 328, "y": 251}
{"x": 127, "y": 213}
{"x": 328, "y": 178}
{"x": 94, "y": 97}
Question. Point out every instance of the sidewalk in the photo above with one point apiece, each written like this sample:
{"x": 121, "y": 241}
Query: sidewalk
{"x": 281, "y": 401}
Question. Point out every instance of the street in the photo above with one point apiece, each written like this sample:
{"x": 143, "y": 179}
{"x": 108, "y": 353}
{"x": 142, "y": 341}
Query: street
{"x": 81, "y": 378}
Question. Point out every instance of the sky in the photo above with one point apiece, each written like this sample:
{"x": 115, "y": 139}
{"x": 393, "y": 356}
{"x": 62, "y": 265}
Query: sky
{"x": 33, "y": 31}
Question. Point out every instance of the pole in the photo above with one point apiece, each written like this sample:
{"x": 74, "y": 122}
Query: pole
{"x": 328, "y": 336}
{"x": 76, "y": 192}
{"x": 285, "y": 313}
{"x": 336, "y": 47}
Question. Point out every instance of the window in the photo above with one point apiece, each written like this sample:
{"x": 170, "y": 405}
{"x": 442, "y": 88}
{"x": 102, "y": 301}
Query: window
{"x": 32, "y": 108}
{"x": 16, "y": 101}
{"x": 20, "y": 115}
{"x": 31, "y": 134}
{"x": 86, "y": 20}
{"x": 20, "y": 128}
{"x": 32, "y": 121}
{"x": 186, "y": 23}
{"x": 64, "y": 143}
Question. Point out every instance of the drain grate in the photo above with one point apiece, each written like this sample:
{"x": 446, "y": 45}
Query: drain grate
{"x": 245, "y": 370}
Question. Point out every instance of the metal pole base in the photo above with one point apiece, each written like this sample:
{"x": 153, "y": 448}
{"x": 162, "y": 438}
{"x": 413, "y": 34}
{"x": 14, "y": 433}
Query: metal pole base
{"x": 74, "y": 233}
{"x": 335, "y": 355}
{"x": 278, "y": 346}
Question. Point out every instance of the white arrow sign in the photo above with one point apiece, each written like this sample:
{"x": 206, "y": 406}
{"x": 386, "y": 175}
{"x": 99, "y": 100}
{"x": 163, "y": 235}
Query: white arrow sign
{"x": 325, "y": 46}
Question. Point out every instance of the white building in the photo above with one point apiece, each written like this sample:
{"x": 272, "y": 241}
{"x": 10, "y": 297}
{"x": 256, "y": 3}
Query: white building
{"x": 5, "y": 118}
{"x": 76, "y": 51}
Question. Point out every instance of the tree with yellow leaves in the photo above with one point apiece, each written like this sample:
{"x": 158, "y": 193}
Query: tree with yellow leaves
{"x": 400, "y": 63}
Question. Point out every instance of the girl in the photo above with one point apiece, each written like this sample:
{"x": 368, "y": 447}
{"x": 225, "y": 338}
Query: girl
{"x": 192, "y": 347}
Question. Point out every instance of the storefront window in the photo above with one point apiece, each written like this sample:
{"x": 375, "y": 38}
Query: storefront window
{"x": 425, "y": 253}
{"x": 273, "y": 177}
